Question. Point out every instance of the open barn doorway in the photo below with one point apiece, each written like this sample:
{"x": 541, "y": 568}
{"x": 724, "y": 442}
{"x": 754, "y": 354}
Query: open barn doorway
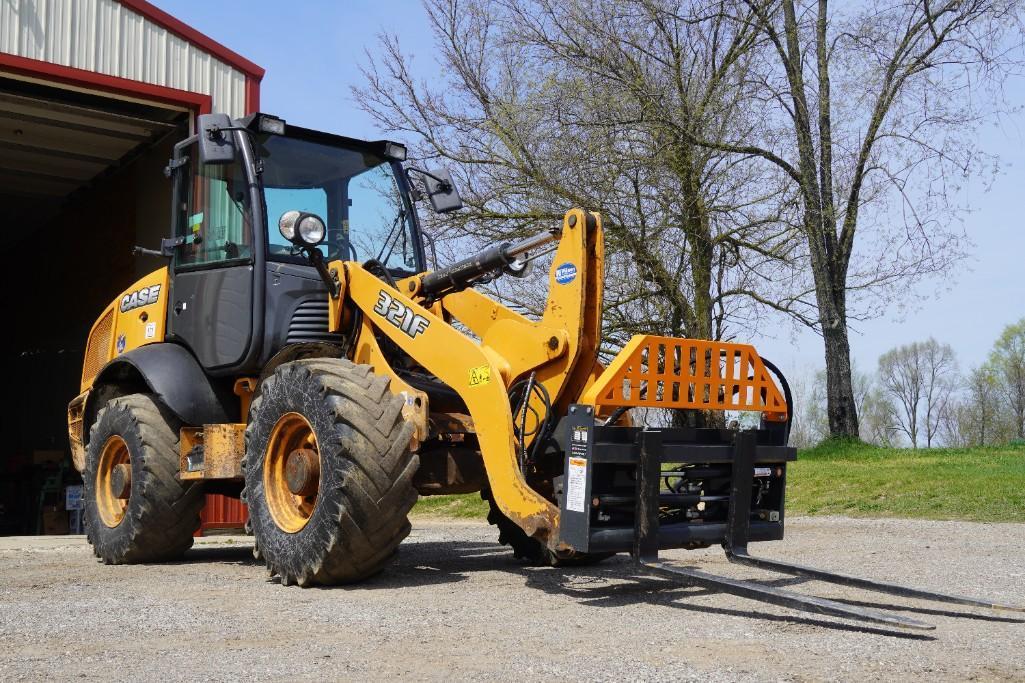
{"x": 81, "y": 183}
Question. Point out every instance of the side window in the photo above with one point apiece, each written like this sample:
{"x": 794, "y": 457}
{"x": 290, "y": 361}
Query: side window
{"x": 214, "y": 214}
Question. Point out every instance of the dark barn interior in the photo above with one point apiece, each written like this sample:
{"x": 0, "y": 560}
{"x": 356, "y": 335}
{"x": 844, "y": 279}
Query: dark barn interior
{"x": 81, "y": 183}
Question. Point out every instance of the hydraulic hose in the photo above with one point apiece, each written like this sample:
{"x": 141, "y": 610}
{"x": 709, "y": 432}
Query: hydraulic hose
{"x": 787, "y": 395}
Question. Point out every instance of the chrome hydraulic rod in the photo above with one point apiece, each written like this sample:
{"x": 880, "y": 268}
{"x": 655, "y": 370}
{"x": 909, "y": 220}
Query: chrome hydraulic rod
{"x": 462, "y": 273}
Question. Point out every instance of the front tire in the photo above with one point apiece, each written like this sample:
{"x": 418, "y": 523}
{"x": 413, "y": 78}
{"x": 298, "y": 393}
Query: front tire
{"x": 328, "y": 472}
{"x": 530, "y": 550}
{"x": 136, "y": 510}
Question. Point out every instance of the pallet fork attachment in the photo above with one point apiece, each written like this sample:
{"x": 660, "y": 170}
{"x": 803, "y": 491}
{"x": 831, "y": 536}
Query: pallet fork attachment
{"x": 646, "y": 547}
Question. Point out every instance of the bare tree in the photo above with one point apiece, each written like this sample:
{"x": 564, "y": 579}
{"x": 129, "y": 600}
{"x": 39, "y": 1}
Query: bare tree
{"x": 901, "y": 374}
{"x": 543, "y": 105}
{"x": 869, "y": 110}
{"x": 941, "y": 376}
{"x": 808, "y": 424}
{"x": 919, "y": 379}
{"x": 811, "y": 420}
{"x": 954, "y": 425}
{"x": 1008, "y": 364}
{"x": 876, "y": 417}
{"x": 978, "y": 417}
{"x": 749, "y": 155}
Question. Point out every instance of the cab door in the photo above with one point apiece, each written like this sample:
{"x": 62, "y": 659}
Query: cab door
{"x": 211, "y": 306}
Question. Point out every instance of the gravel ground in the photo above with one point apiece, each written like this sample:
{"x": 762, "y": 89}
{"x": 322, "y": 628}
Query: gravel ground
{"x": 456, "y": 606}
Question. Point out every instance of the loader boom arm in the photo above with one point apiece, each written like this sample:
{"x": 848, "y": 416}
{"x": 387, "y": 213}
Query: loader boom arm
{"x": 559, "y": 351}
{"x": 561, "y": 348}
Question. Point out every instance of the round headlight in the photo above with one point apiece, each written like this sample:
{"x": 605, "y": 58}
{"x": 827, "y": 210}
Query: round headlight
{"x": 286, "y": 224}
{"x": 311, "y": 230}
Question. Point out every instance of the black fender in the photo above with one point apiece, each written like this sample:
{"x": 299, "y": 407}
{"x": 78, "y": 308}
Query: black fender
{"x": 171, "y": 372}
{"x": 298, "y": 351}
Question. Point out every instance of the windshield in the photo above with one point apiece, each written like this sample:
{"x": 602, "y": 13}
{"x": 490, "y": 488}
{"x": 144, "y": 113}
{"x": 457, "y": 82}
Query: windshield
{"x": 355, "y": 192}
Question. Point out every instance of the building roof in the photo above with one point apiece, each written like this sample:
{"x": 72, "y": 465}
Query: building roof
{"x": 201, "y": 40}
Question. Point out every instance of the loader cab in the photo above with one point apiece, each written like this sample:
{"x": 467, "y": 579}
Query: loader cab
{"x": 240, "y": 292}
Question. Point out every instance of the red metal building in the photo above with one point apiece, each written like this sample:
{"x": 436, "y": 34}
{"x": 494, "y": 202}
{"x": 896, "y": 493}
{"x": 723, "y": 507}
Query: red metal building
{"x": 93, "y": 96}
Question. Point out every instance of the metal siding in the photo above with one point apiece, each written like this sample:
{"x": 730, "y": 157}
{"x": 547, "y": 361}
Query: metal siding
{"x": 84, "y": 23}
{"x": 198, "y": 77}
{"x": 177, "y": 61}
{"x": 105, "y": 37}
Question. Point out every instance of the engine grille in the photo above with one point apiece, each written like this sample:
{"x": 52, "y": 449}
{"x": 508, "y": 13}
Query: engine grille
{"x": 309, "y": 323}
{"x": 97, "y": 350}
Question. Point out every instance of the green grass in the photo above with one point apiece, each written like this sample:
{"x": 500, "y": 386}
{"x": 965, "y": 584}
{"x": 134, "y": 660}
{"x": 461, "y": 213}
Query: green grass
{"x": 855, "y": 479}
{"x": 464, "y": 506}
{"x": 859, "y": 480}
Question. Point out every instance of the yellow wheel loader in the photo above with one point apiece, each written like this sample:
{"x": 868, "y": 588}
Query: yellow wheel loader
{"x": 297, "y": 353}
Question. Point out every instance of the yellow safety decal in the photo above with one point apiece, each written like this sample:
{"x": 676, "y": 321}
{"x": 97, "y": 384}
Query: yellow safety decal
{"x": 480, "y": 375}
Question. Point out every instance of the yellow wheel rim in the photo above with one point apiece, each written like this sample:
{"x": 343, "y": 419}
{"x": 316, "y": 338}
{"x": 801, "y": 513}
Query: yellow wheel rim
{"x": 292, "y": 448}
{"x": 112, "y": 504}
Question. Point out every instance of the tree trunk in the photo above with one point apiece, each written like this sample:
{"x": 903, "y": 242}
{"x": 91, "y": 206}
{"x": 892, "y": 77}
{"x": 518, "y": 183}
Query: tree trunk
{"x": 843, "y": 414}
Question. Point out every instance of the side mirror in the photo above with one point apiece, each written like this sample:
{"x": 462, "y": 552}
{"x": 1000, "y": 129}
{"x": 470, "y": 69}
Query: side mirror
{"x": 442, "y": 191}
{"x": 216, "y": 144}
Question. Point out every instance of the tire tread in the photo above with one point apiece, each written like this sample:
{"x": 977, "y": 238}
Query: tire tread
{"x": 376, "y": 492}
{"x": 163, "y": 513}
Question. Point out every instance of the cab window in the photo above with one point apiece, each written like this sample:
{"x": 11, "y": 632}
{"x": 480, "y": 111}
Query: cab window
{"x": 213, "y": 213}
{"x": 279, "y": 200}
{"x": 355, "y": 191}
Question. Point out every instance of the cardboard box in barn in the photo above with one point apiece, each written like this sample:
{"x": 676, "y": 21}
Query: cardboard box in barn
{"x": 44, "y": 457}
{"x": 55, "y": 520}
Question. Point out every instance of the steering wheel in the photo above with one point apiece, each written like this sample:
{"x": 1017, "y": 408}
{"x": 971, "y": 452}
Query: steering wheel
{"x": 282, "y": 249}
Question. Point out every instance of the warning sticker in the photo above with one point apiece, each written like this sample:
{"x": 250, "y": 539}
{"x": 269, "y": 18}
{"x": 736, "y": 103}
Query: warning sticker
{"x": 579, "y": 435}
{"x": 763, "y": 471}
{"x": 576, "y": 485}
{"x": 195, "y": 225}
{"x": 480, "y": 375}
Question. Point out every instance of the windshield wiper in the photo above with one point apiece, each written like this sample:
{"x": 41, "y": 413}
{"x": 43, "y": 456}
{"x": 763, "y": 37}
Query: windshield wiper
{"x": 399, "y": 219}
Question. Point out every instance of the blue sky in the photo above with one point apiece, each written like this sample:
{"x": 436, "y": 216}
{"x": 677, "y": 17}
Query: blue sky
{"x": 311, "y": 51}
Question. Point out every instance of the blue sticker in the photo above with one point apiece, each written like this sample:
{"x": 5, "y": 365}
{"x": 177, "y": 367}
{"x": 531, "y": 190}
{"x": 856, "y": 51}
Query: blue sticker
{"x": 565, "y": 273}
{"x": 121, "y": 343}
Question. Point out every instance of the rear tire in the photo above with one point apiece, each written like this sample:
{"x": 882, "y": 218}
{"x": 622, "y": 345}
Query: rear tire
{"x": 161, "y": 514}
{"x": 350, "y": 527}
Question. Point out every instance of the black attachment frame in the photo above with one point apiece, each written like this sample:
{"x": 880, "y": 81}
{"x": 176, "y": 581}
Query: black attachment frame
{"x": 646, "y": 545}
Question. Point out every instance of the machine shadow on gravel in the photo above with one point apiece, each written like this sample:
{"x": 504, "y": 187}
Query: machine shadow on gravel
{"x": 976, "y": 616}
{"x": 234, "y": 554}
{"x": 431, "y": 563}
{"x": 589, "y": 586}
